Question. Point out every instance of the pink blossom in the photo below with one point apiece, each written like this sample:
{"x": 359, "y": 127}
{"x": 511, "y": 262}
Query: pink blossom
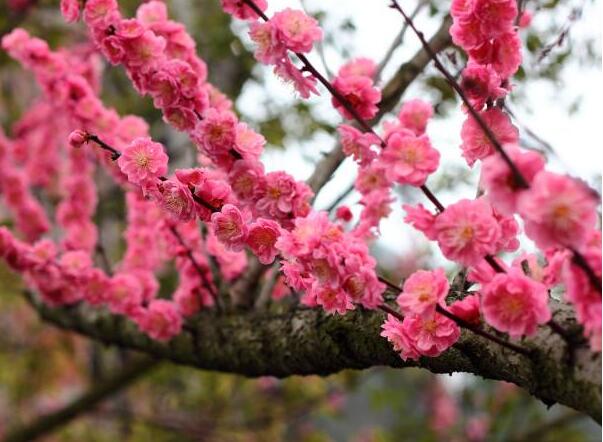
{"x": 372, "y": 177}
{"x": 262, "y": 238}
{"x": 480, "y": 84}
{"x": 514, "y": 303}
{"x": 246, "y": 179}
{"x": 241, "y": 10}
{"x": 77, "y": 138}
{"x": 557, "y": 211}
{"x": 344, "y": 214}
{"x": 297, "y": 31}
{"x": 180, "y": 117}
{"x": 422, "y": 291}
{"x": 70, "y": 9}
{"x": 270, "y": 48}
{"x": 495, "y": 17}
{"x": 467, "y": 231}
{"x": 160, "y": 320}
{"x": 525, "y": 20}
{"x": 467, "y": 309}
{"x": 94, "y": 289}
{"x": 176, "y": 199}
{"x": 431, "y": 335}
{"x": 409, "y": 159}
{"x": 498, "y": 180}
{"x": 360, "y": 93}
{"x": 216, "y": 135}
{"x": 303, "y": 82}
{"x": 283, "y": 196}
{"x": 124, "y": 294}
{"x": 154, "y": 11}
{"x": 229, "y": 227}
{"x": 143, "y": 161}
{"x": 476, "y": 145}
{"x": 97, "y": 12}
{"x": 141, "y": 52}
{"x": 503, "y": 53}
{"x": 357, "y": 144}
{"x": 421, "y": 219}
{"x": 364, "y": 67}
{"x": 414, "y": 115}
{"x": 332, "y": 300}
{"x": 396, "y": 334}
{"x": 248, "y": 142}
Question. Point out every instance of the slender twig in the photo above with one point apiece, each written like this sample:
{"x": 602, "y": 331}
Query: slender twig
{"x": 196, "y": 265}
{"x": 397, "y": 41}
{"x": 581, "y": 262}
{"x": 115, "y": 154}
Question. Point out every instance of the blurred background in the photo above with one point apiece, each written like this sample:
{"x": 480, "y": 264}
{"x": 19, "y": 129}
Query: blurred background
{"x": 556, "y": 102}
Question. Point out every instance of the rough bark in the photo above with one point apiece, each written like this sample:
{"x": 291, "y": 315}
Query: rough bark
{"x": 307, "y": 341}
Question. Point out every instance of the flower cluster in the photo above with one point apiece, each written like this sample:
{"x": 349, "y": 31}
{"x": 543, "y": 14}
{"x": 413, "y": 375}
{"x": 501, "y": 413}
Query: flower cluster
{"x": 333, "y": 268}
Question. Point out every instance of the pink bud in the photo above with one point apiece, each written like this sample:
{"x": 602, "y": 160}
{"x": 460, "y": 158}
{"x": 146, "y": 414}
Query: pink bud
{"x": 77, "y": 138}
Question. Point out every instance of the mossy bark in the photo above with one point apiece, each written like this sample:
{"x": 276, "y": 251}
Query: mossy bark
{"x": 307, "y": 341}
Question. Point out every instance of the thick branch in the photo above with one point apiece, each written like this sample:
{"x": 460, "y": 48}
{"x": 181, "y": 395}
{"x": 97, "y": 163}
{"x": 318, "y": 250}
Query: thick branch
{"x": 307, "y": 341}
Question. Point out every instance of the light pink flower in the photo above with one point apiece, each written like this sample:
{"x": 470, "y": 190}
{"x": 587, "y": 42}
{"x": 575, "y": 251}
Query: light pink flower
{"x": 421, "y": 219}
{"x": 467, "y": 309}
{"x": 270, "y": 48}
{"x": 431, "y": 335}
{"x": 467, "y": 231}
{"x": 176, "y": 199}
{"x": 229, "y": 227}
{"x": 557, "y": 211}
{"x": 498, "y": 181}
{"x": 357, "y": 144}
{"x": 503, "y": 53}
{"x": 303, "y": 82}
{"x": 248, "y": 142}
{"x": 422, "y": 291}
{"x": 332, "y": 300}
{"x": 364, "y": 67}
{"x": 70, "y": 9}
{"x": 476, "y": 145}
{"x": 480, "y": 84}
{"x": 360, "y": 94}
{"x": 160, "y": 320}
{"x": 124, "y": 294}
{"x": 409, "y": 159}
{"x": 143, "y": 161}
{"x": 514, "y": 303}
{"x": 296, "y": 30}
{"x": 414, "y": 115}
{"x": 395, "y": 333}
{"x": 246, "y": 179}
{"x": 77, "y": 138}
{"x": 495, "y": 17}
{"x": 262, "y": 238}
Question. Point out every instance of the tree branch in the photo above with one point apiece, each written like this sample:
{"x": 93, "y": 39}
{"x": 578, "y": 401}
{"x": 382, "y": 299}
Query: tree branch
{"x": 307, "y": 341}
{"x": 50, "y": 422}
